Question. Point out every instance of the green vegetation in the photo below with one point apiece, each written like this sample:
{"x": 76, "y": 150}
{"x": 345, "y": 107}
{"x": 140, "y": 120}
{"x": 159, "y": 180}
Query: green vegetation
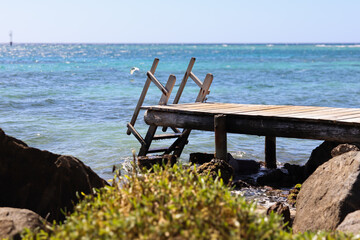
{"x": 170, "y": 203}
{"x": 293, "y": 194}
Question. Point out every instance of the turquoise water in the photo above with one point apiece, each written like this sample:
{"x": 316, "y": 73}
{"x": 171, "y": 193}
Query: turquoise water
{"x": 77, "y": 98}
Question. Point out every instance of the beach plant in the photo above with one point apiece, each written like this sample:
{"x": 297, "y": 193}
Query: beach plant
{"x": 169, "y": 203}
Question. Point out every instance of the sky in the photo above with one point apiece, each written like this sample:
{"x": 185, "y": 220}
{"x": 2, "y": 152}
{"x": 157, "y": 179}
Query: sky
{"x": 185, "y": 21}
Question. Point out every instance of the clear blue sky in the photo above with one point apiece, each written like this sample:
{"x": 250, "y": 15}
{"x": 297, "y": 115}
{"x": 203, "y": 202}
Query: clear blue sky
{"x": 185, "y": 21}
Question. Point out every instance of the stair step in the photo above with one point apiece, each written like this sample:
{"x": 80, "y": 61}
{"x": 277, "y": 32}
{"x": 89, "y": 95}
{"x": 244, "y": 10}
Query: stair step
{"x": 154, "y": 150}
{"x": 166, "y": 136}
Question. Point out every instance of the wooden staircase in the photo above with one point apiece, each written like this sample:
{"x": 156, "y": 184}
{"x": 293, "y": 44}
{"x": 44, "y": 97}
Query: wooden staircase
{"x": 181, "y": 137}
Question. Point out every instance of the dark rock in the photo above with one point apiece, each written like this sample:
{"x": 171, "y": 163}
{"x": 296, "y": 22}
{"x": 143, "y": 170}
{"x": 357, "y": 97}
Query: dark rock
{"x": 318, "y": 156}
{"x": 200, "y": 158}
{"x": 275, "y": 178}
{"x": 280, "y": 209}
{"x": 329, "y": 194}
{"x": 242, "y": 166}
{"x": 296, "y": 172}
{"x": 13, "y": 221}
{"x": 351, "y": 223}
{"x": 239, "y": 184}
{"x": 149, "y": 161}
{"x": 42, "y": 181}
{"x": 214, "y": 166}
{"x": 343, "y": 148}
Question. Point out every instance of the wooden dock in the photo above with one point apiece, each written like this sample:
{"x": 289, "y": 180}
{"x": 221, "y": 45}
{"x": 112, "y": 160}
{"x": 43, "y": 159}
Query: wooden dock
{"x": 271, "y": 121}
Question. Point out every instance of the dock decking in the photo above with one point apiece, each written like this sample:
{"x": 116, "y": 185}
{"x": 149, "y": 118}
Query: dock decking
{"x": 306, "y": 122}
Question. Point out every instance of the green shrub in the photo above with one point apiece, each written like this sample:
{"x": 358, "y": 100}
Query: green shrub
{"x": 169, "y": 203}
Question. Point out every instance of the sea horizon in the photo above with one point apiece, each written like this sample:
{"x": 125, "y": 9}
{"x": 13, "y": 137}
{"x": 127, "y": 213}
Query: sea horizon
{"x": 187, "y": 43}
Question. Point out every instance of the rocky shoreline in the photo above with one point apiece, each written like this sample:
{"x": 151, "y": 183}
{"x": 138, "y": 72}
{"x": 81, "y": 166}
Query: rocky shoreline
{"x": 40, "y": 186}
{"x": 321, "y": 195}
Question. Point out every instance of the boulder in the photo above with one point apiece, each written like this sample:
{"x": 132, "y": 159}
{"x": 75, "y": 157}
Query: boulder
{"x": 41, "y": 181}
{"x": 13, "y": 221}
{"x": 351, "y": 223}
{"x": 296, "y": 172}
{"x": 243, "y": 166}
{"x": 343, "y": 148}
{"x": 200, "y": 158}
{"x": 280, "y": 209}
{"x": 318, "y": 156}
{"x": 329, "y": 194}
{"x": 276, "y": 178}
{"x": 214, "y": 167}
{"x": 148, "y": 161}
{"x": 239, "y": 184}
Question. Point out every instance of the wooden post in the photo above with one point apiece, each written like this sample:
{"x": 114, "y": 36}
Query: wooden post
{"x": 142, "y": 96}
{"x": 270, "y": 152}
{"x": 220, "y": 137}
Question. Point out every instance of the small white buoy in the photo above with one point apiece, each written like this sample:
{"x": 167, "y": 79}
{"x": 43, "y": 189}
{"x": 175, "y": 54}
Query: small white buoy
{"x": 133, "y": 69}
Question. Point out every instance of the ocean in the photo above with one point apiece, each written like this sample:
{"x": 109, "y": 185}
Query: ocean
{"x": 76, "y": 99}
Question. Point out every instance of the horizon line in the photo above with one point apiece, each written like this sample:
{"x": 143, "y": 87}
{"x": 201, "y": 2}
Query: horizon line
{"x": 187, "y": 43}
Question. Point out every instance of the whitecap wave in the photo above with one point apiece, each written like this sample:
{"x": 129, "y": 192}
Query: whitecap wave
{"x": 339, "y": 46}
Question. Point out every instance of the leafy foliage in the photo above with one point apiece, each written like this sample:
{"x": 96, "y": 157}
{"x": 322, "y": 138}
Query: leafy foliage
{"x": 169, "y": 203}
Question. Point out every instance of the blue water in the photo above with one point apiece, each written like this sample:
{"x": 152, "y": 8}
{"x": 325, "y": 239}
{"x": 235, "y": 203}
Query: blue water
{"x": 76, "y": 99}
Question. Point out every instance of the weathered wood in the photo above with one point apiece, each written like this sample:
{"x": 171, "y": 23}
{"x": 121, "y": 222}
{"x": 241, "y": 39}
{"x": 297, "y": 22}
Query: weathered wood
{"x": 204, "y": 91}
{"x": 167, "y": 136}
{"x": 142, "y": 96}
{"x": 195, "y": 79}
{"x": 184, "y": 80}
{"x": 157, "y": 83}
{"x": 168, "y": 88}
{"x": 136, "y": 134}
{"x": 333, "y": 114}
{"x": 155, "y": 150}
{"x": 270, "y": 152}
{"x": 220, "y": 137}
{"x": 261, "y": 126}
{"x": 152, "y": 129}
{"x": 179, "y": 144}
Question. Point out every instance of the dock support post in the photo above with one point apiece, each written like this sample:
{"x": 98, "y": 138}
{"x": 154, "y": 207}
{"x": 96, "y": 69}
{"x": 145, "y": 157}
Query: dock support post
{"x": 270, "y": 152}
{"x": 220, "y": 137}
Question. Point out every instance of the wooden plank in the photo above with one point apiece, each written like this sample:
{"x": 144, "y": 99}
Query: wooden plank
{"x": 220, "y": 137}
{"x": 184, "y": 80}
{"x": 278, "y": 110}
{"x": 136, "y": 134}
{"x": 349, "y": 117}
{"x": 157, "y": 83}
{"x": 204, "y": 89}
{"x": 270, "y": 152}
{"x": 142, "y": 95}
{"x": 351, "y": 120}
{"x": 325, "y": 112}
{"x": 166, "y": 136}
{"x": 168, "y": 88}
{"x": 144, "y": 149}
{"x": 155, "y": 150}
{"x": 195, "y": 79}
{"x": 264, "y": 126}
{"x": 179, "y": 144}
